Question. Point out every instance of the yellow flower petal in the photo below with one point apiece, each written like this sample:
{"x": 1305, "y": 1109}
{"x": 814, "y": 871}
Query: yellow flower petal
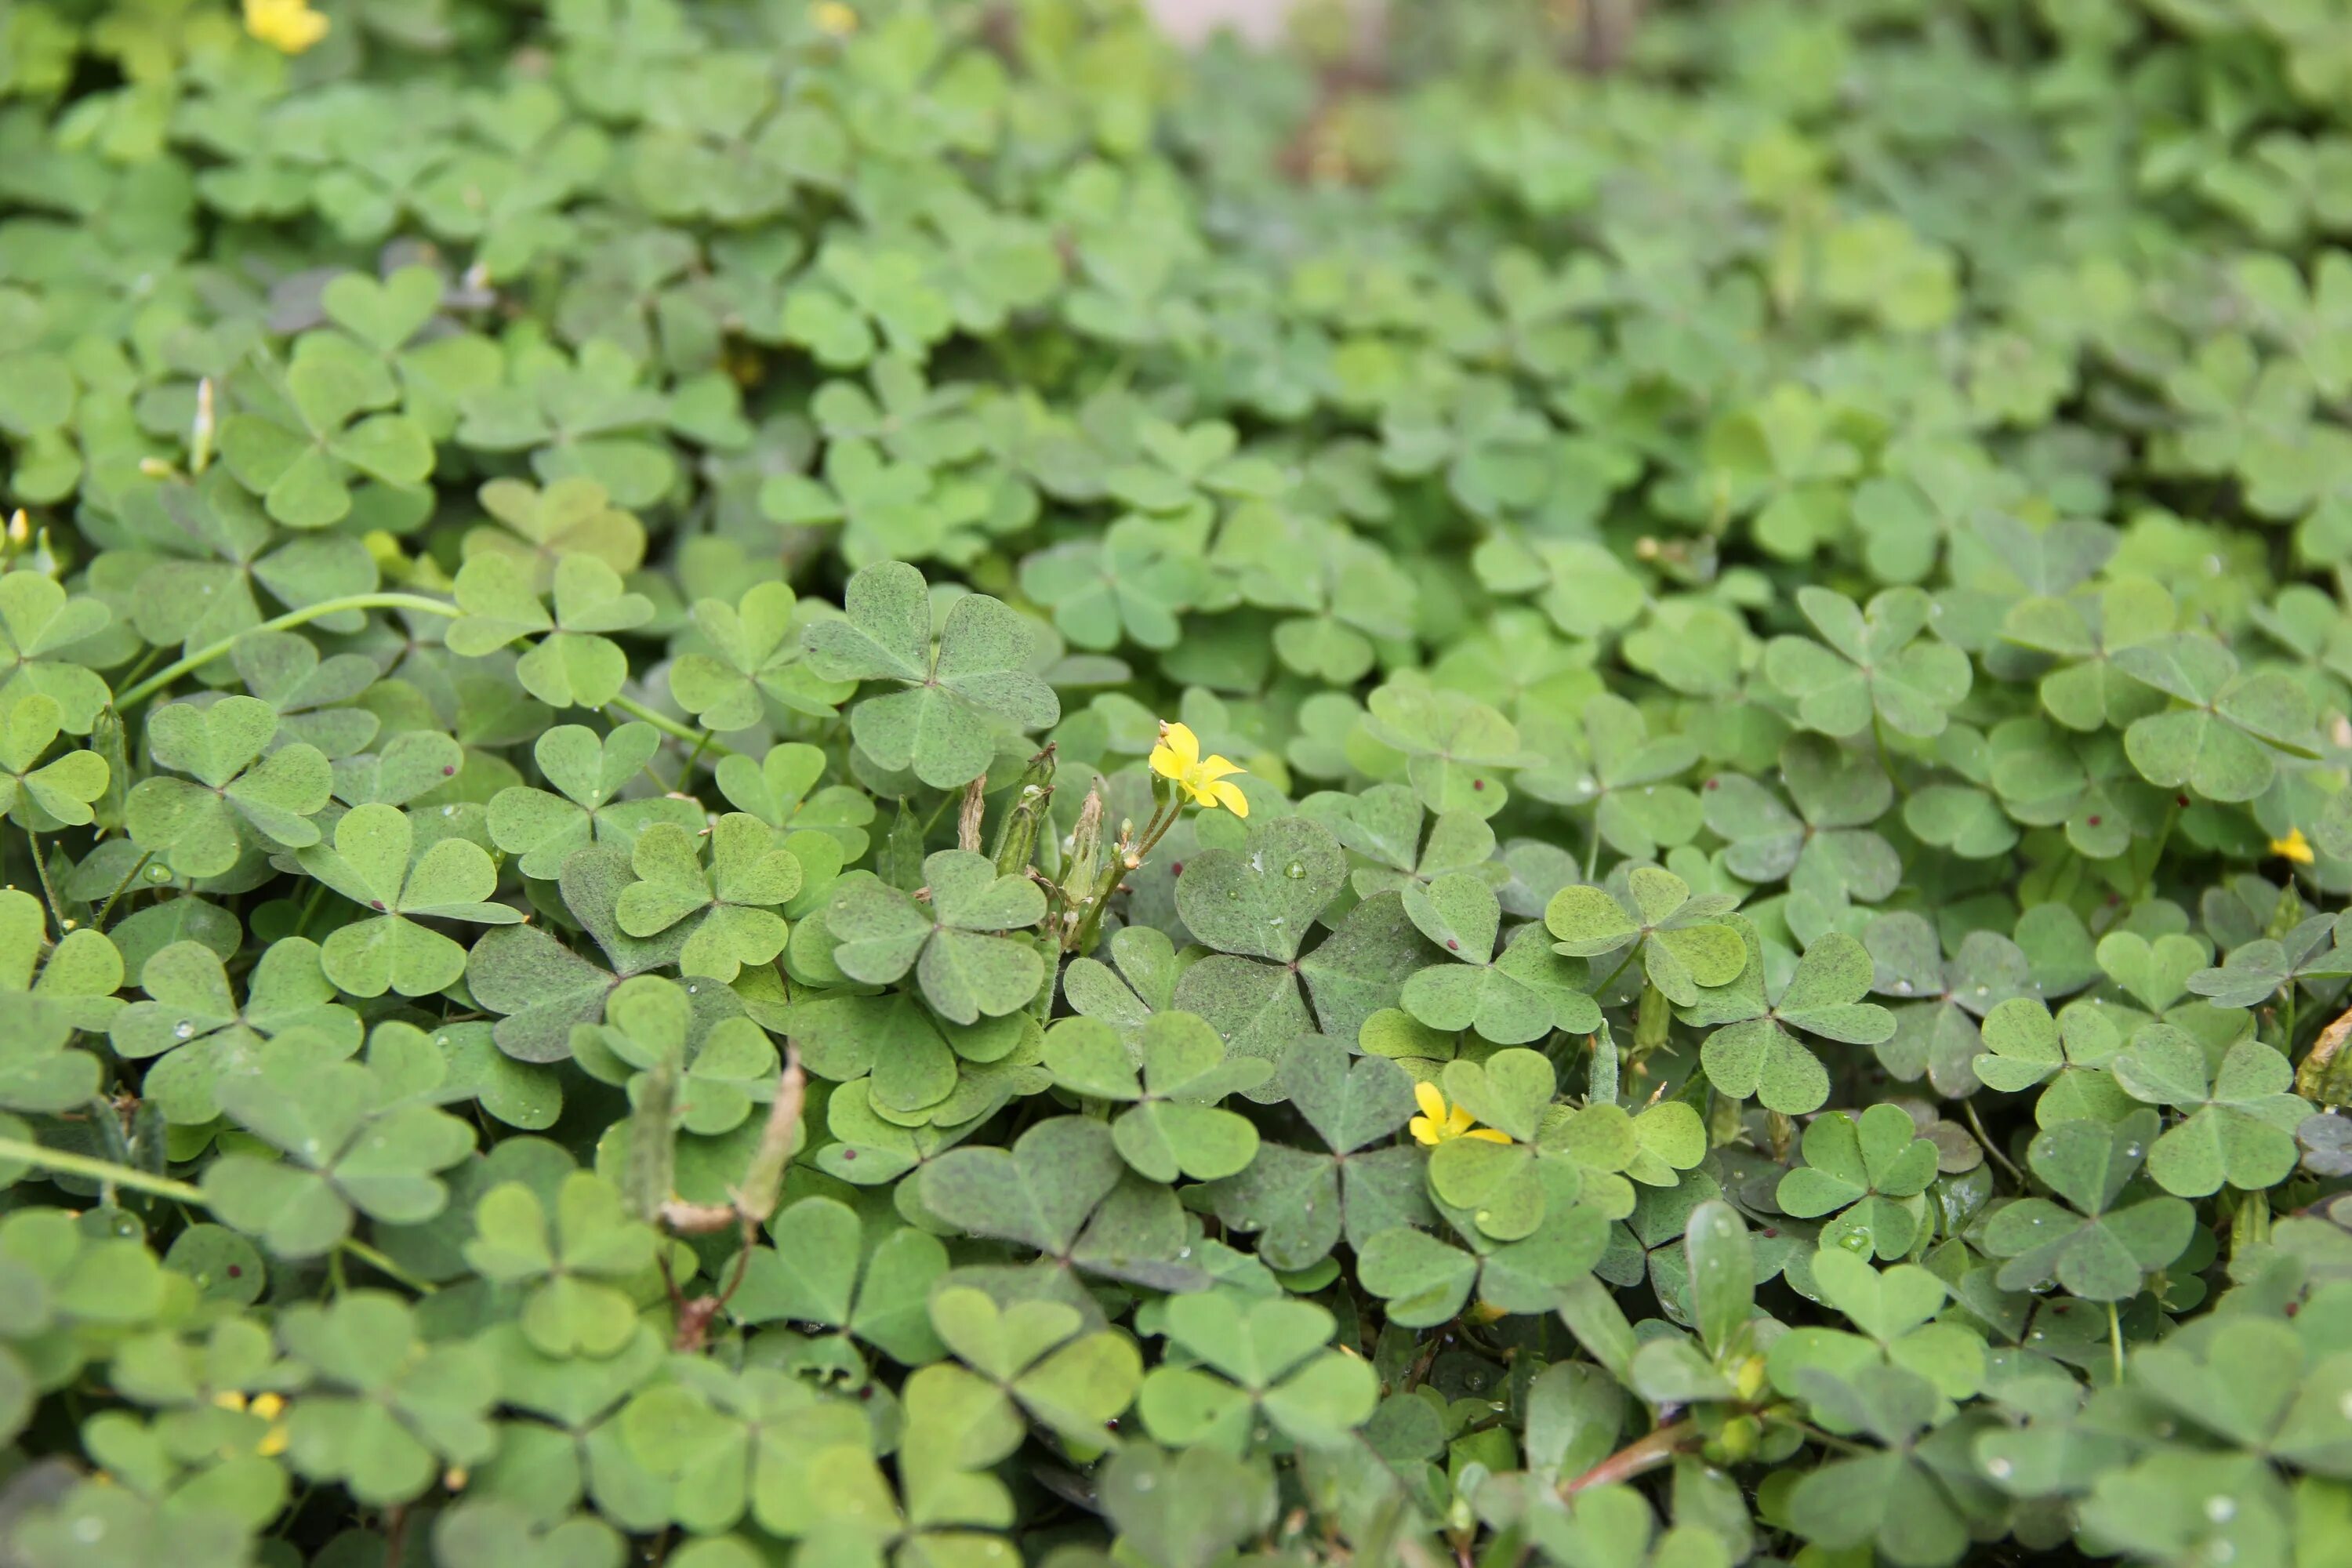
{"x": 2295, "y": 846}
{"x": 1489, "y": 1134}
{"x": 1180, "y": 740}
{"x": 1432, "y": 1103}
{"x": 289, "y": 26}
{"x": 273, "y": 1443}
{"x": 268, "y": 1406}
{"x": 1458, "y": 1121}
{"x": 1165, "y": 763}
{"x": 1424, "y": 1129}
{"x": 1218, "y": 767}
{"x": 1230, "y": 797}
{"x": 229, "y": 1399}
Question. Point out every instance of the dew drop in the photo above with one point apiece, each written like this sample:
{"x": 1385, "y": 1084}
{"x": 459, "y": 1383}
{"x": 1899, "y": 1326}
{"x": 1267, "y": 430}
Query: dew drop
{"x": 2221, "y": 1510}
{"x": 1999, "y": 1470}
{"x": 183, "y": 1030}
{"x": 1295, "y": 871}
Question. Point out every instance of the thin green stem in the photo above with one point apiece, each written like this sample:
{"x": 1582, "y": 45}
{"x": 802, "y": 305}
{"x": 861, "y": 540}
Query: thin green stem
{"x": 49, "y": 890}
{"x": 125, "y": 700}
{"x": 384, "y": 1266}
{"x": 1976, "y": 1124}
{"x": 1885, "y": 754}
{"x": 66, "y": 1163}
{"x": 1613, "y": 974}
{"x": 106, "y": 908}
{"x": 668, "y": 726}
{"x": 2116, "y": 1339}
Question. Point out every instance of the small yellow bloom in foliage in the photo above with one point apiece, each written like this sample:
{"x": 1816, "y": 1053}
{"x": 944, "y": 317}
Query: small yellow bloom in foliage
{"x": 1437, "y": 1124}
{"x": 834, "y": 18}
{"x": 1178, "y": 756}
{"x": 2295, "y": 846}
{"x": 288, "y": 25}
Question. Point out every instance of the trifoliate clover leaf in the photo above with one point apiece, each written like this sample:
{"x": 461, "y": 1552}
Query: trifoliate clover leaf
{"x": 1456, "y": 747}
{"x": 1257, "y": 1358}
{"x": 1384, "y": 824}
{"x": 1625, "y": 775}
{"x": 2093, "y": 691}
{"x": 1684, "y": 944}
{"x": 412, "y": 763}
{"x": 2240, "y": 1116}
{"x": 496, "y": 1532}
{"x": 74, "y": 991}
{"x": 1176, "y": 1127}
{"x": 1894, "y": 1308}
{"x": 2088, "y": 783}
{"x": 974, "y": 676}
{"x": 821, "y": 1271}
{"x": 1062, "y": 1189}
{"x": 544, "y": 829}
{"x": 305, "y": 436}
{"x": 1426, "y": 1280}
{"x": 2261, "y": 1387}
{"x": 1134, "y": 585}
{"x": 1140, "y": 980}
{"x": 242, "y": 796}
{"x": 2072, "y": 1053}
{"x": 719, "y": 1060}
{"x": 1869, "y": 1171}
{"x": 855, "y": 300}
{"x": 541, "y": 527}
{"x": 1519, "y": 995}
{"x": 573, "y": 664}
{"x": 195, "y": 1034}
{"x": 1300, "y": 1203}
{"x": 1753, "y": 1053}
{"x": 2091, "y": 1248}
{"x": 755, "y": 658}
{"x": 731, "y": 903}
{"x": 1828, "y": 842}
{"x": 2257, "y": 970}
{"x": 2225, "y": 742}
{"x": 782, "y": 790}
{"x": 350, "y": 1141}
{"x": 387, "y": 1414}
{"x": 1875, "y": 669}
{"x": 371, "y": 865}
{"x": 1936, "y": 1031}
{"x": 576, "y": 1264}
{"x": 309, "y": 693}
{"x": 1173, "y": 467}
{"x": 41, "y": 629}
{"x": 964, "y": 969}
{"x": 1033, "y": 1357}
{"x": 38, "y": 796}
{"x": 1893, "y": 1498}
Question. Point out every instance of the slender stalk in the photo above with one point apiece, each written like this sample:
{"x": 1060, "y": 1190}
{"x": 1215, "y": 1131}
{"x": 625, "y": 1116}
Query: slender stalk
{"x": 1976, "y": 1125}
{"x": 106, "y": 908}
{"x": 703, "y": 739}
{"x": 204, "y": 656}
{"x": 384, "y": 1266}
{"x": 49, "y": 890}
{"x": 1886, "y": 755}
{"x": 66, "y": 1163}
{"x": 1635, "y": 1458}
{"x": 2116, "y": 1339}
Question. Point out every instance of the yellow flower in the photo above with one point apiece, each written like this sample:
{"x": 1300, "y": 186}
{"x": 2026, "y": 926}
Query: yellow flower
{"x": 288, "y": 27}
{"x": 834, "y": 18}
{"x": 269, "y": 1407}
{"x": 1178, "y": 756}
{"x": 2295, "y": 846}
{"x": 1436, "y": 1124}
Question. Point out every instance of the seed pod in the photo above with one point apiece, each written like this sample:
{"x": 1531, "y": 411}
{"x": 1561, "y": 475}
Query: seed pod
{"x": 653, "y": 1142}
{"x": 107, "y": 739}
{"x": 1016, "y": 835}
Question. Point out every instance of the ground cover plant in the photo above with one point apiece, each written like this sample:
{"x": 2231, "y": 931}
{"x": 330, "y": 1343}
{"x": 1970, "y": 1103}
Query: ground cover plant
{"x": 901, "y": 784}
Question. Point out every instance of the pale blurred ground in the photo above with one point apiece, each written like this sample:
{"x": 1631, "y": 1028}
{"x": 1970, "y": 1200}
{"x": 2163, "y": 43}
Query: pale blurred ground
{"x": 1191, "y": 21}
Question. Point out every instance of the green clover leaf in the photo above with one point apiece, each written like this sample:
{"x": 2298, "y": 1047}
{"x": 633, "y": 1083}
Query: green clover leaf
{"x": 958, "y": 688}
{"x": 43, "y": 797}
{"x": 1258, "y": 1358}
{"x": 196, "y": 1034}
{"x": 371, "y": 865}
{"x": 948, "y": 939}
{"x": 577, "y": 1266}
{"x": 755, "y": 658}
{"x": 243, "y": 794}
{"x": 544, "y": 829}
{"x": 1754, "y": 1054}
{"x": 728, "y": 908}
{"x": 1175, "y": 1127}
{"x": 1875, "y": 669}
{"x": 2240, "y": 1117}
{"x": 1869, "y": 1171}
{"x": 2093, "y": 1248}
{"x": 1683, "y": 944}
